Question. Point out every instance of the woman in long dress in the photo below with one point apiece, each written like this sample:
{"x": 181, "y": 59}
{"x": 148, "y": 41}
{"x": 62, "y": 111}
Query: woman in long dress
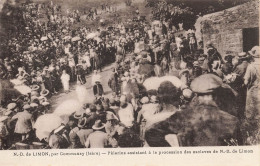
{"x": 65, "y": 78}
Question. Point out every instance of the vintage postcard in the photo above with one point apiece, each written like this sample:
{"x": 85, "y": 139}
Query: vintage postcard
{"x": 129, "y": 82}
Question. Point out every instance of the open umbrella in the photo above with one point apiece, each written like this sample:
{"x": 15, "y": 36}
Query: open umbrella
{"x": 67, "y": 37}
{"x": 23, "y": 89}
{"x": 154, "y": 82}
{"x": 44, "y": 38}
{"x": 45, "y": 124}
{"x": 174, "y": 80}
{"x": 77, "y": 38}
{"x": 91, "y": 35}
{"x": 98, "y": 39}
{"x": 67, "y": 107}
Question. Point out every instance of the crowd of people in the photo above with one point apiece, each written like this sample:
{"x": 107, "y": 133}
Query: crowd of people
{"x": 166, "y": 90}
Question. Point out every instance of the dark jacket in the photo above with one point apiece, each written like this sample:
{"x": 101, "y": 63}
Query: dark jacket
{"x": 98, "y": 90}
{"x": 202, "y": 125}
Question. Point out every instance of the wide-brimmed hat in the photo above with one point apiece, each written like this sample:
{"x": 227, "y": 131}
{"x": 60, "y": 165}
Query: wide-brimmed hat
{"x": 79, "y": 114}
{"x": 242, "y": 55}
{"x": 111, "y": 116}
{"x": 34, "y": 105}
{"x": 44, "y": 92}
{"x": 183, "y": 71}
{"x": 201, "y": 58}
{"x": 35, "y": 87}
{"x": 42, "y": 98}
{"x": 26, "y": 107}
{"x": 45, "y": 103}
{"x": 3, "y": 118}
{"x": 11, "y": 106}
{"x": 254, "y": 52}
{"x": 98, "y": 125}
{"x": 206, "y": 83}
{"x": 82, "y": 122}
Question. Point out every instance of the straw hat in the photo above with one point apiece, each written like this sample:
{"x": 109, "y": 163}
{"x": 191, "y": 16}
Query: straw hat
{"x": 46, "y": 103}
{"x": 98, "y": 125}
{"x": 44, "y": 92}
{"x": 111, "y": 116}
{"x": 242, "y": 55}
{"x": 42, "y": 98}
{"x": 35, "y": 87}
{"x": 82, "y": 122}
{"x": 254, "y": 51}
{"x": 78, "y": 114}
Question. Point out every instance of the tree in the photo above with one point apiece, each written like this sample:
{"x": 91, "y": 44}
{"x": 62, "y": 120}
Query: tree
{"x": 187, "y": 11}
{"x": 12, "y": 23}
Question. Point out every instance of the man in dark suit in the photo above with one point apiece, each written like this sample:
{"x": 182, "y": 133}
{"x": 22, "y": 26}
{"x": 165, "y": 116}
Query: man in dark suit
{"x": 199, "y": 124}
{"x": 98, "y": 89}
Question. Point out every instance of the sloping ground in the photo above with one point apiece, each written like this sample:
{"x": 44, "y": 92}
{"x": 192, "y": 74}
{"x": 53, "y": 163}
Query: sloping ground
{"x": 123, "y": 12}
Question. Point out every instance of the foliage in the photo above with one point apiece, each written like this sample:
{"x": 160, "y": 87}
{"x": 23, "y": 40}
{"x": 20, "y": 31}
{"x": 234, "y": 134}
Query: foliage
{"x": 187, "y": 11}
{"x": 12, "y": 23}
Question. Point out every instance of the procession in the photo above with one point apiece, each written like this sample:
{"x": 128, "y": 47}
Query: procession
{"x": 136, "y": 82}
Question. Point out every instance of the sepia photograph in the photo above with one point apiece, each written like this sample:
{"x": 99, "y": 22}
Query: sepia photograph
{"x": 79, "y": 74}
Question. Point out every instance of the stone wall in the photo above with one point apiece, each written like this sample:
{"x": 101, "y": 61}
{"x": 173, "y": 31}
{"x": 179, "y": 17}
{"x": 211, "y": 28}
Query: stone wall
{"x": 224, "y": 29}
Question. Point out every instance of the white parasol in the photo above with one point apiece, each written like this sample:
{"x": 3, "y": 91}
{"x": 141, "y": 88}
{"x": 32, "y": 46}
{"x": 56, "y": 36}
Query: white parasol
{"x": 67, "y": 37}
{"x": 67, "y": 107}
{"x": 45, "y": 124}
{"x": 91, "y": 35}
{"x": 23, "y": 89}
{"x": 98, "y": 39}
{"x": 16, "y": 82}
{"x": 154, "y": 82}
{"x": 77, "y": 38}
{"x": 174, "y": 80}
{"x": 44, "y": 38}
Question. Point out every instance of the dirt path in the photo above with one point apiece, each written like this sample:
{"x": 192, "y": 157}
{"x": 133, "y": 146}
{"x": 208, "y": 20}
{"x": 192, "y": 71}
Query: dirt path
{"x": 61, "y": 97}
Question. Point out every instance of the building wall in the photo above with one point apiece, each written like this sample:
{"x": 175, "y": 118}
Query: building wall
{"x": 225, "y": 28}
